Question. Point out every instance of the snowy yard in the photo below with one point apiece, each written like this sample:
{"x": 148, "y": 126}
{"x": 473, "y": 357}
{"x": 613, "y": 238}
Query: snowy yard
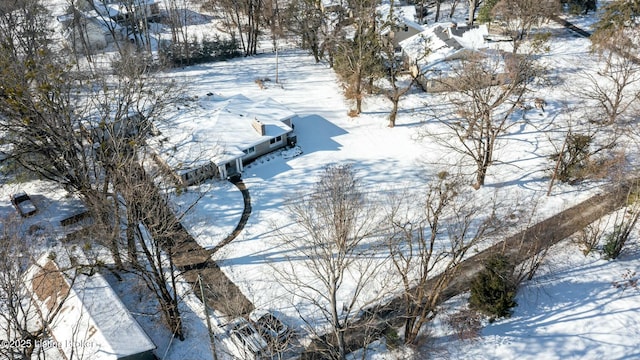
{"x": 576, "y": 307}
{"x": 554, "y": 316}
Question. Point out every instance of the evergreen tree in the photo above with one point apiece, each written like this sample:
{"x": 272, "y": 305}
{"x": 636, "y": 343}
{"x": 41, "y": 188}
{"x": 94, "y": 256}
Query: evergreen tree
{"x": 494, "y": 289}
{"x": 484, "y": 14}
{"x": 617, "y": 28}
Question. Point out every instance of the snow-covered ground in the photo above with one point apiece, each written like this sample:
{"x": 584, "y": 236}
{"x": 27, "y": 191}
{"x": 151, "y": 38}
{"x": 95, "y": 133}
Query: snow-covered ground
{"x": 569, "y": 310}
{"x": 576, "y": 307}
{"x": 395, "y": 158}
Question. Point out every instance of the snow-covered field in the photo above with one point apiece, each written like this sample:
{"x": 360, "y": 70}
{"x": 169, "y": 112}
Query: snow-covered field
{"x": 561, "y": 312}
{"x": 571, "y": 309}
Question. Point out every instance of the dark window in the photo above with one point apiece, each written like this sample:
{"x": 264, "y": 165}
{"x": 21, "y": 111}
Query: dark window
{"x": 275, "y": 140}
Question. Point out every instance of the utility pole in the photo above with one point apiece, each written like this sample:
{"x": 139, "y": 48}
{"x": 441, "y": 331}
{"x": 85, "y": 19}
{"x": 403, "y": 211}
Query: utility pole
{"x": 212, "y": 338}
{"x": 277, "y": 62}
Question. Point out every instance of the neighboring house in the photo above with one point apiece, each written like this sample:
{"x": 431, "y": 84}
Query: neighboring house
{"x": 401, "y": 27}
{"x": 92, "y": 322}
{"x": 88, "y": 31}
{"x": 216, "y": 136}
{"x": 122, "y": 10}
{"x": 333, "y": 6}
{"x": 433, "y": 53}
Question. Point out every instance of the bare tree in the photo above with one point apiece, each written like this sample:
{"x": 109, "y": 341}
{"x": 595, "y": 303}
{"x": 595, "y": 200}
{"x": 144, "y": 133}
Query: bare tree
{"x": 609, "y": 93}
{"x": 304, "y": 19}
{"x": 521, "y": 16}
{"x": 41, "y": 112}
{"x": 272, "y": 19}
{"x": 625, "y": 222}
{"x": 485, "y": 98}
{"x": 395, "y": 66}
{"x": 337, "y": 266}
{"x": 178, "y": 20}
{"x": 452, "y": 9}
{"x": 243, "y": 17}
{"x": 429, "y": 239}
{"x": 87, "y": 138}
{"x": 473, "y": 7}
{"x": 33, "y": 291}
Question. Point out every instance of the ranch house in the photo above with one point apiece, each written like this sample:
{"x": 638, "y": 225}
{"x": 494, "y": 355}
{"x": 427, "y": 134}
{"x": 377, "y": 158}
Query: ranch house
{"x": 216, "y": 136}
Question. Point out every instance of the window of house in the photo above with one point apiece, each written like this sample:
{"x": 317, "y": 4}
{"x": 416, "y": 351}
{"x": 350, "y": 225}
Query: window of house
{"x": 276, "y": 140}
{"x": 249, "y": 151}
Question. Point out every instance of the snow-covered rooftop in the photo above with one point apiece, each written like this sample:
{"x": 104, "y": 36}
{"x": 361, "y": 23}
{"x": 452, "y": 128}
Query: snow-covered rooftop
{"x": 441, "y": 41}
{"x": 402, "y": 15}
{"x": 217, "y": 129}
{"x": 92, "y": 322}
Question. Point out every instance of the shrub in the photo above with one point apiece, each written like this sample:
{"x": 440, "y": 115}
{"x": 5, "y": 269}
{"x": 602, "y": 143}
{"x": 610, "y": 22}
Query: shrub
{"x": 494, "y": 289}
{"x": 392, "y": 338}
{"x": 614, "y": 241}
{"x": 465, "y": 323}
{"x": 580, "y": 6}
{"x": 197, "y": 52}
{"x": 589, "y": 237}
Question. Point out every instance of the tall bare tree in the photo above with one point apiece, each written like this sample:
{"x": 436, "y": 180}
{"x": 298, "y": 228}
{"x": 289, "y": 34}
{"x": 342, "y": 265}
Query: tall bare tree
{"x": 429, "y": 239}
{"x": 337, "y": 269}
{"x": 305, "y": 19}
{"x": 395, "y": 68}
{"x": 178, "y": 18}
{"x": 473, "y": 7}
{"x": 85, "y": 131}
{"x": 521, "y": 16}
{"x": 484, "y": 99}
{"x": 243, "y": 18}
{"x": 610, "y": 93}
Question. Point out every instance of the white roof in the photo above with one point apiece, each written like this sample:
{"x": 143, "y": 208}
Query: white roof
{"x": 92, "y": 322}
{"x": 217, "y": 129}
{"x": 441, "y": 44}
{"x": 115, "y": 8}
{"x": 403, "y": 15}
{"x": 330, "y": 3}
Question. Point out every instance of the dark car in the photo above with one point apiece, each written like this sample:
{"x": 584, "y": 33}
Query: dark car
{"x": 23, "y": 204}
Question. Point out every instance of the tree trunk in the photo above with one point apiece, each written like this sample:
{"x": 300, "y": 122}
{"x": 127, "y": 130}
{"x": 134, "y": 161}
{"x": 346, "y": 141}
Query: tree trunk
{"x": 337, "y": 326}
{"x": 358, "y": 94}
{"x": 409, "y": 323}
{"x": 481, "y": 173}
{"x": 394, "y": 112}
{"x": 175, "y": 320}
{"x": 473, "y": 4}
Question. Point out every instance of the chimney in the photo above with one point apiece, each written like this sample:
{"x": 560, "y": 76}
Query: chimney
{"x": 258, "y": 126}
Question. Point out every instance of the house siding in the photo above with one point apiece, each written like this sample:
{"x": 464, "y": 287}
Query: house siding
{"x": 199, "y": 174}
{"x": 265, "y": 148}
